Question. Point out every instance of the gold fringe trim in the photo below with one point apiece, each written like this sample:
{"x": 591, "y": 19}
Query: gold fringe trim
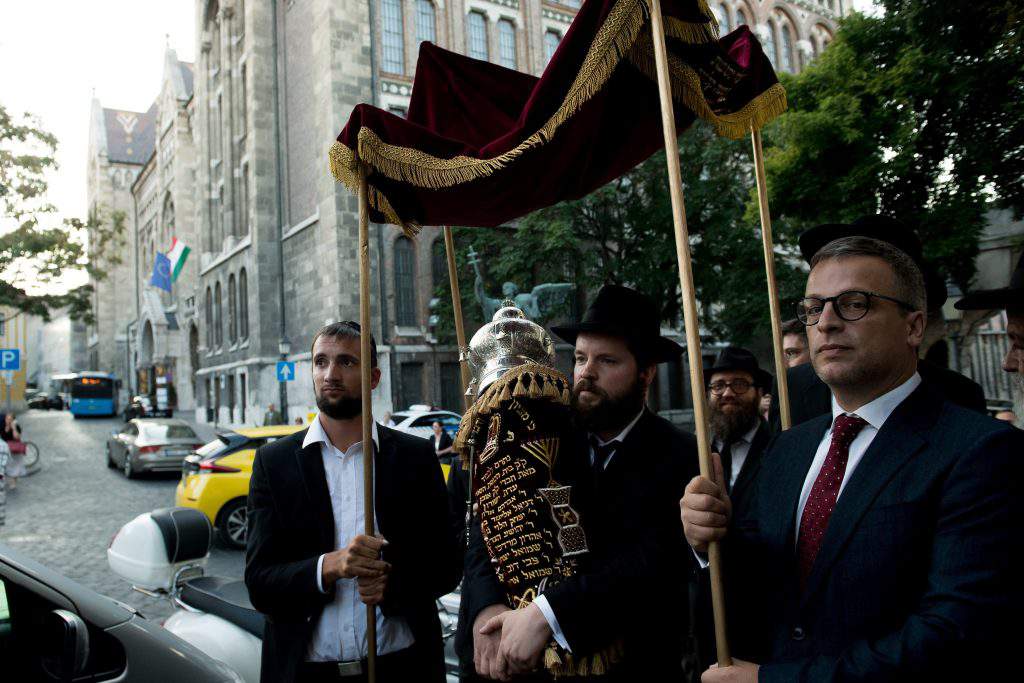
{"x": 561, "y": 663}
{"x": 686, "y": 89}
{"x": 612, "y": 43}
{"x": 528, "y": 380}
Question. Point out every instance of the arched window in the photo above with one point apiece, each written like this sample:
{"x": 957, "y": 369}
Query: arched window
{"x": 405, "y": 283}
{"x": 476, "y": 35}
{"x": 168, "y": 222}
{"x": 209, "y": 319}
{"x": 391, "y": 36}
{"x": 769, "y": 44}
{"x": 742, "y": 17}
{"x": 218, "y": 318}
{"x": 243, "y": 304}
{"x": 722, "y": 14}
{"x": 551, "y": 41}
{"x": 787, "y": 48}
{"x": 506, "y": 43}
{"x": 232, "y": 310}
{"x": 426, "y": 21}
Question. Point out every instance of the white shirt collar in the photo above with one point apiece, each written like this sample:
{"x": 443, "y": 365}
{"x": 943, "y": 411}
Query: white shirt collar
{"x": 316, "y": 434}
{"x": 879, "y": 410}
{"x": 624, "y": 433}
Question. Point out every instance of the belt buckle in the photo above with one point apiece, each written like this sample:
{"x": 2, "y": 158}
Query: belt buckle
{"x": 354, "y": 668}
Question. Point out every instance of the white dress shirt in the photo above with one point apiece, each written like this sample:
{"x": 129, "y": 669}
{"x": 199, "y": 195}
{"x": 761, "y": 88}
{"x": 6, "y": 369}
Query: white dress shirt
{"x": 875, "y": 414}
{"x": 340, "y": 634}
{"x": 541, "y": 601}
{"x": 740, "y": 449}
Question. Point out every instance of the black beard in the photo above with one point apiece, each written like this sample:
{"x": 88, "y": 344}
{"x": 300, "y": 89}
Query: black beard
{"x": 344, "y": 408}
{"x": 729, "y": 427}
{"x": 610, "y": 413}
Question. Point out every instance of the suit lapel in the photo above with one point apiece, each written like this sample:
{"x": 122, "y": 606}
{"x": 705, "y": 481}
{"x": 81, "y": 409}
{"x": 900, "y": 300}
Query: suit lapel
{"x": 786, "y": 479}
{"x": 383, "y": 479}
{"x": 753, "y": 460}
{"x": 897, "y": 441}
{"x": 314, "y": 478}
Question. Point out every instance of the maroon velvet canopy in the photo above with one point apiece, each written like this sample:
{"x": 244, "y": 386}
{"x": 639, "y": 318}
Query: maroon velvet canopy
{"x": 483, "y": 144}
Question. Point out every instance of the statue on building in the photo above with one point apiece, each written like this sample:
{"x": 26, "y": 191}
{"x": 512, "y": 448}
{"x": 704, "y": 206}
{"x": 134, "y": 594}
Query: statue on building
{"x": 539, "y": 304}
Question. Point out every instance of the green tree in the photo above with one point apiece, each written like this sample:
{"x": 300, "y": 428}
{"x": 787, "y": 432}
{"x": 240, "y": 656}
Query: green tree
{"x": 34, "y": 251}
{"x": 918, "y": 113}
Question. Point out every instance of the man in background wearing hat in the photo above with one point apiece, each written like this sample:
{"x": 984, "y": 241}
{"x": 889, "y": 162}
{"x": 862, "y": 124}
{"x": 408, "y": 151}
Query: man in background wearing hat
{"x": 736, "y": 384}
{"x": 629, "y": 470}
{"x": 882, "y": 539}
{"x": 809, "y": 396}
{"x": 1011, "y": 300}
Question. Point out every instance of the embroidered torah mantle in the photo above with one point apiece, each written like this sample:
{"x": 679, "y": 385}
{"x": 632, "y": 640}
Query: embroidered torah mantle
{"x": 532, "y": 533}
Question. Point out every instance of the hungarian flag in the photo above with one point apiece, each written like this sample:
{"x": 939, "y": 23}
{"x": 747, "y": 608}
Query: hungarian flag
{"x": 483, "y": 145}
{"x": 177, "y": 255}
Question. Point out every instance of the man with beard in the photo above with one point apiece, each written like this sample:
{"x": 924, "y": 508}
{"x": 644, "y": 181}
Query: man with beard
{"x": 627, "y": 470}
{"x": 309, "y": 566}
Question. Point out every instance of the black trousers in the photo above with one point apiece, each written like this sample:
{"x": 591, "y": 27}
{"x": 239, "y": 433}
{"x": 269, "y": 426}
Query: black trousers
{"x": 396, "y": 667}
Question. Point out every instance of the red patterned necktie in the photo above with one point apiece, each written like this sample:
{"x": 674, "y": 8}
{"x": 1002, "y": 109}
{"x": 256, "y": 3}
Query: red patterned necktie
{"x": 822, "y": 499}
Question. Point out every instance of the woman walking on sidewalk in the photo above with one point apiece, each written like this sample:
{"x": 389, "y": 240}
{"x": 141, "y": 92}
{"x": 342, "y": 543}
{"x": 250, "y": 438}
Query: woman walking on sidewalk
{"x": 10, "y": 434}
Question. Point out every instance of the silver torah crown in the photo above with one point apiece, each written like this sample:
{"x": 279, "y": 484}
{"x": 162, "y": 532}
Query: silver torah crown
{"x": 508, "y": 341}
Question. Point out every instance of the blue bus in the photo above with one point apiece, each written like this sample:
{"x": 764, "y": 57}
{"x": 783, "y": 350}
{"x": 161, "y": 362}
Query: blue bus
{"x": 92, "y": 393}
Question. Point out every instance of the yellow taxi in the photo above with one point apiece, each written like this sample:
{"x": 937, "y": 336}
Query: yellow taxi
{"x": 215, "y": 479}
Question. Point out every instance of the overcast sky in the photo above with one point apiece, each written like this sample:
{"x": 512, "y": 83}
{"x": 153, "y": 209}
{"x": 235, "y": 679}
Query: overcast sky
{"x": 57, "y": 53}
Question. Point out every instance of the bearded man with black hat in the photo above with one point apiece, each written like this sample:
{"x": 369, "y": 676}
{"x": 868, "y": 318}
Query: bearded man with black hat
{"x": 629, "y": 467}
{"x": 809, "y": 396}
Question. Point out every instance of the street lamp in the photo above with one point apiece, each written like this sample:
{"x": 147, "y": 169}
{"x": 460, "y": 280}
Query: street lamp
{"x": 284, "y": 347}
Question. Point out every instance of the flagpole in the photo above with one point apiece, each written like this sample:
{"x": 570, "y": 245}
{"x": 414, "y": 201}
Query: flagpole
{"x": 460, "y": 329}
{"x": 769, "y": 267}
{"x": 689, "y": 300}
{"x": 365, "y": 368}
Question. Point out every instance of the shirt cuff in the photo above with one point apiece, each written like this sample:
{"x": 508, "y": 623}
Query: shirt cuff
{"x": 549, "y": 616}
{"x": 702, "y": 559}
{"x": 320, "y": 574}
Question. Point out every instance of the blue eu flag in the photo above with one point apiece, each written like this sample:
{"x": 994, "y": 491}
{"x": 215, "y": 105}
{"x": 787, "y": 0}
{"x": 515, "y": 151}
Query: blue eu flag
{"x": 161, "y": 272}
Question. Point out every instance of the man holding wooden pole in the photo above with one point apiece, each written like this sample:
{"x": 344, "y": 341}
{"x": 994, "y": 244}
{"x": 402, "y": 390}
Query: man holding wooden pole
{"x": 880, "y": 543}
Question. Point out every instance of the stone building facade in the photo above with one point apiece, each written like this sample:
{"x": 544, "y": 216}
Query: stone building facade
{"x": 164, "y": 333}
{"x": 120, "y": 142}
{"x": 270, "y": 212}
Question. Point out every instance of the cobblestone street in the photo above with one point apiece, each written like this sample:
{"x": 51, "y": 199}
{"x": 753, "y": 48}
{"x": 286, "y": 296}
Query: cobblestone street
{"x": 65, "y": 515}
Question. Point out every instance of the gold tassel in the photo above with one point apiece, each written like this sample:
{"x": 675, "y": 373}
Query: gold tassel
{"x": 521, "y": 389}
{"x": 506, "y": 394}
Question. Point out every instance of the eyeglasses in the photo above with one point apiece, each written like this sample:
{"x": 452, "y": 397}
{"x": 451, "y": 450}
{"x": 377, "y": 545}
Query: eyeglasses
{"x": 850, "y": 306}
{"x": 738, "y": 386}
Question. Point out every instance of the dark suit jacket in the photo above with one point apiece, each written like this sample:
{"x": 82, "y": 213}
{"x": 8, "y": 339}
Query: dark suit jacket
{"x": 913, "y": 580}
{"x": 742, "y": 496}
{"x": 809, "y": 397}
{"x": 632, "y": 584}
{"x": 291, "y": 524}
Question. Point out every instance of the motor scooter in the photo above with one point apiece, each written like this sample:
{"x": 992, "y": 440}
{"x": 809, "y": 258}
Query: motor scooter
{"x": 163, "y": 555}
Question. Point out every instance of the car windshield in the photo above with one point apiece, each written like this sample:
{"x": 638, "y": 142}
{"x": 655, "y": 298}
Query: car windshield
{"x": 167, "y": 432}
{"x": 221, "y": 445}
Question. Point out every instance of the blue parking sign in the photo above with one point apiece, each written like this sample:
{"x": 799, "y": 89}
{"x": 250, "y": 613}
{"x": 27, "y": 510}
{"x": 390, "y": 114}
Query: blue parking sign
{"x": 285, "y": 371}
{"x": 10, "y": 359}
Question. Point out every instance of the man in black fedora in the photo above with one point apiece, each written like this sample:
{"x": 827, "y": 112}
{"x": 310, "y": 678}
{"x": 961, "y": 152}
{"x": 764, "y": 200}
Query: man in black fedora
{"x": 628, "y": 469}
{"x": 809, "y": 396}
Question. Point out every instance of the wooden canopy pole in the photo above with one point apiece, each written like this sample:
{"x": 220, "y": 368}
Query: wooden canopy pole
{"x": 769, "y": 267}
{"x": 675, "y": 178}
{"x": 365, "y": 379}
{"x": 460, "y": 329}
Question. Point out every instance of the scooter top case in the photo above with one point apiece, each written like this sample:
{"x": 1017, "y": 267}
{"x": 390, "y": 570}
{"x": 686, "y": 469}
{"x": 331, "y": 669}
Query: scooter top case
{"x": 150, "y": 550}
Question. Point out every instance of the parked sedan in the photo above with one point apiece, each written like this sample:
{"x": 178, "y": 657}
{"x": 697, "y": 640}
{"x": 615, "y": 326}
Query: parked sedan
{"x": 419, "y": 422}
{"x": 54, "y": 629}
{"x": 151, "y": 445}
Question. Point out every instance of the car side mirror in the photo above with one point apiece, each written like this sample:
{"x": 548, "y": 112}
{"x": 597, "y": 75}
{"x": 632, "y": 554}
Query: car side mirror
{"x": 65, "y": 645}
